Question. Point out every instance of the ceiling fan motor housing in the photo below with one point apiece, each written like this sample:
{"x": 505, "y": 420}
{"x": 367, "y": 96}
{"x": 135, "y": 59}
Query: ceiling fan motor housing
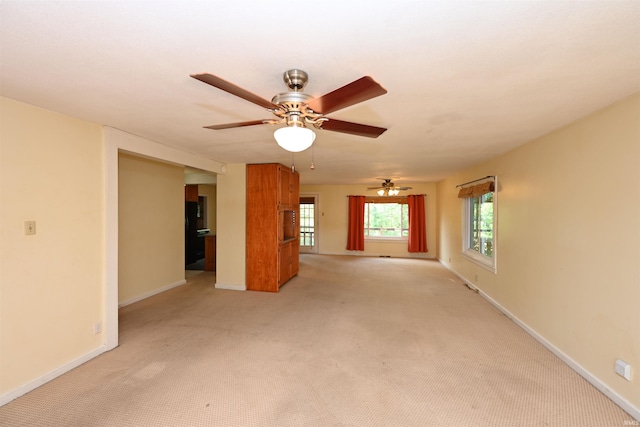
{"x": 293, "y": 107}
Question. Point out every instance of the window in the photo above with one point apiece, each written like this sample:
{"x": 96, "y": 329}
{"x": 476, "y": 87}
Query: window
{"x": 479, "y": 229}
{"x": 386, "y": 218}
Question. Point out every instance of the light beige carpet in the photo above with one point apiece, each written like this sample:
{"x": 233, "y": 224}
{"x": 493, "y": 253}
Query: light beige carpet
{"x": 351, "y": 341}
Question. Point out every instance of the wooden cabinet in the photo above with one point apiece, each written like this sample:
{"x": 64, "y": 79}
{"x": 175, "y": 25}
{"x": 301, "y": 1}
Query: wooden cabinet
{"x": 210, "y": 252}
{"x": 273, "y": 223}
{"x": 191, "y": 193}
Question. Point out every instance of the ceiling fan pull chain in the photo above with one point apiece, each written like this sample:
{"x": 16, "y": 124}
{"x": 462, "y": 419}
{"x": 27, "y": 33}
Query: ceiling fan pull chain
{"x": 313, "y": 166}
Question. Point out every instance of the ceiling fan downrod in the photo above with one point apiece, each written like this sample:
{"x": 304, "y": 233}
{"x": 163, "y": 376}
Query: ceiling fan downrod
{"x": 295, "y": 79}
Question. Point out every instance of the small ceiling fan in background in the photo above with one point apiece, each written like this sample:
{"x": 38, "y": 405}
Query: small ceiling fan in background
{"x": 297, "y": 110}
{"x": 388, "y": 188}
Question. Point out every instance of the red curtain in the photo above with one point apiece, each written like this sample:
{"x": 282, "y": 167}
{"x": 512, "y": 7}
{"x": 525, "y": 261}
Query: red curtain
{"x": 417, "y": 224}
{"x": 355, "y": 235}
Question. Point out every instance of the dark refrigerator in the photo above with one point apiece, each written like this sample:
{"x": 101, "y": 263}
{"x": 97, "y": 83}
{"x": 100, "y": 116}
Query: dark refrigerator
{"x": 190, "y": 232}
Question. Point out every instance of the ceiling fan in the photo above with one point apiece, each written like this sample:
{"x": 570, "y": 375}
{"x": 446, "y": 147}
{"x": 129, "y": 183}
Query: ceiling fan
{"x": 388, "y": 188}
{"x": 296, "y": 109}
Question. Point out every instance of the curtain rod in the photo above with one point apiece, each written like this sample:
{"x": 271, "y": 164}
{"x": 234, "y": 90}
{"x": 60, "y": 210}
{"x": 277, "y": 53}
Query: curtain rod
{"x": 475, "y": 180}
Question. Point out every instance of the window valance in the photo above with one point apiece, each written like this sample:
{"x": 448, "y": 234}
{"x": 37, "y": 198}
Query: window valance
{"x": 386, "y": 199}
{"x": 476, "y": 190}
{"x": 307, "y": 200}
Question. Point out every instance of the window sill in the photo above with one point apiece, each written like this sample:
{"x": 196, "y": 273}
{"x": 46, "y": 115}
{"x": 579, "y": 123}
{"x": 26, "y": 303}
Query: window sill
{"x": 386, "y": 239}
{"x": 481, "y": 260}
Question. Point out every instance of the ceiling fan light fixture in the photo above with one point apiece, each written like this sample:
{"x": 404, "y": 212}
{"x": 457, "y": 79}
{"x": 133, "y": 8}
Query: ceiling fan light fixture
{"x": 388, "y": 188}
{"x": 294, "y": 138}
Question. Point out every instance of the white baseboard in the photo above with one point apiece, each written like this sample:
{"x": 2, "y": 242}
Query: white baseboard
{"x": 32, "y": 385}
{"x": 592, "y": 379}
{"x": 231, "y": 286}
{"x": 151, "y": 293}
{"x": 375, "y": 255}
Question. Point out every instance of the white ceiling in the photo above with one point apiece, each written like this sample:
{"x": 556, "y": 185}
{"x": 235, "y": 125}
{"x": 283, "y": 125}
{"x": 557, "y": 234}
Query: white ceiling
{"x": 466, "y": 80}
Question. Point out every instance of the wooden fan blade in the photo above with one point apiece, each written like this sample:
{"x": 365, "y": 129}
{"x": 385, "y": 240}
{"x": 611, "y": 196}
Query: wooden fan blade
{"x": 360, "y": 90}
{"x": 236, "y": 125}
{"x": 234, "y": 90}
{"x": 352, "y": 128}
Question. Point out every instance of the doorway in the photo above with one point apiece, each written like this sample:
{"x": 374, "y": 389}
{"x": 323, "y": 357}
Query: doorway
{"x": 309, "y": 220}
{"x": 116, "y": 141}
{"x": 200, "y": 221}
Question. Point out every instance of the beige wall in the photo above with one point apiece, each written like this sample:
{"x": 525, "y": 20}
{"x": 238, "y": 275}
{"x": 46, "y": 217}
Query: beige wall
{"x": 567, "y": 240}
{"x": 231, "y": 228}
{"x": 333, "y": 210}
{"x": 51, "y": 283}
{"x": 151, "y": 227}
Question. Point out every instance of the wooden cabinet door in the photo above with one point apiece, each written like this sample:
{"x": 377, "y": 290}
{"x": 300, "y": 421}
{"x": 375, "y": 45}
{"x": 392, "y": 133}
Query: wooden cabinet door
{"x": 284, "y": 263}
{"x": 284, "y": 188}
{"x": 294, "y": 190}
{"x": 295, "y": 258}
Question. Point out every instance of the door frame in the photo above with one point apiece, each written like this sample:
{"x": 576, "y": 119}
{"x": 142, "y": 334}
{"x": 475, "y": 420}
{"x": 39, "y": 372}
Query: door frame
{"x": 316, "y": 224}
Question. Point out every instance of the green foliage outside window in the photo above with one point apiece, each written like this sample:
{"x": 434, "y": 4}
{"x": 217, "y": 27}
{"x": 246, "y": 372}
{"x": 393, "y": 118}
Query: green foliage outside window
{"x": 482, "y": 224}
{"x": 386, "y": 220}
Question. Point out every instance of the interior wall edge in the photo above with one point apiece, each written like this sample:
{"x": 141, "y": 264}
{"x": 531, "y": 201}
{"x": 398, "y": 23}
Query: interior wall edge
{"x": 230, "y": 286}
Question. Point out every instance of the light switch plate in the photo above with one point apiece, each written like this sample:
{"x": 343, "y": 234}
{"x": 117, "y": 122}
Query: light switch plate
{"x": 29, "y": 228}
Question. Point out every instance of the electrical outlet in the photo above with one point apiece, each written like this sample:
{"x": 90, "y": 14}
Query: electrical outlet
{"x": 29, "y": 228}
{"x": 623, "y": 369}
{"x": 97, "y": 328}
